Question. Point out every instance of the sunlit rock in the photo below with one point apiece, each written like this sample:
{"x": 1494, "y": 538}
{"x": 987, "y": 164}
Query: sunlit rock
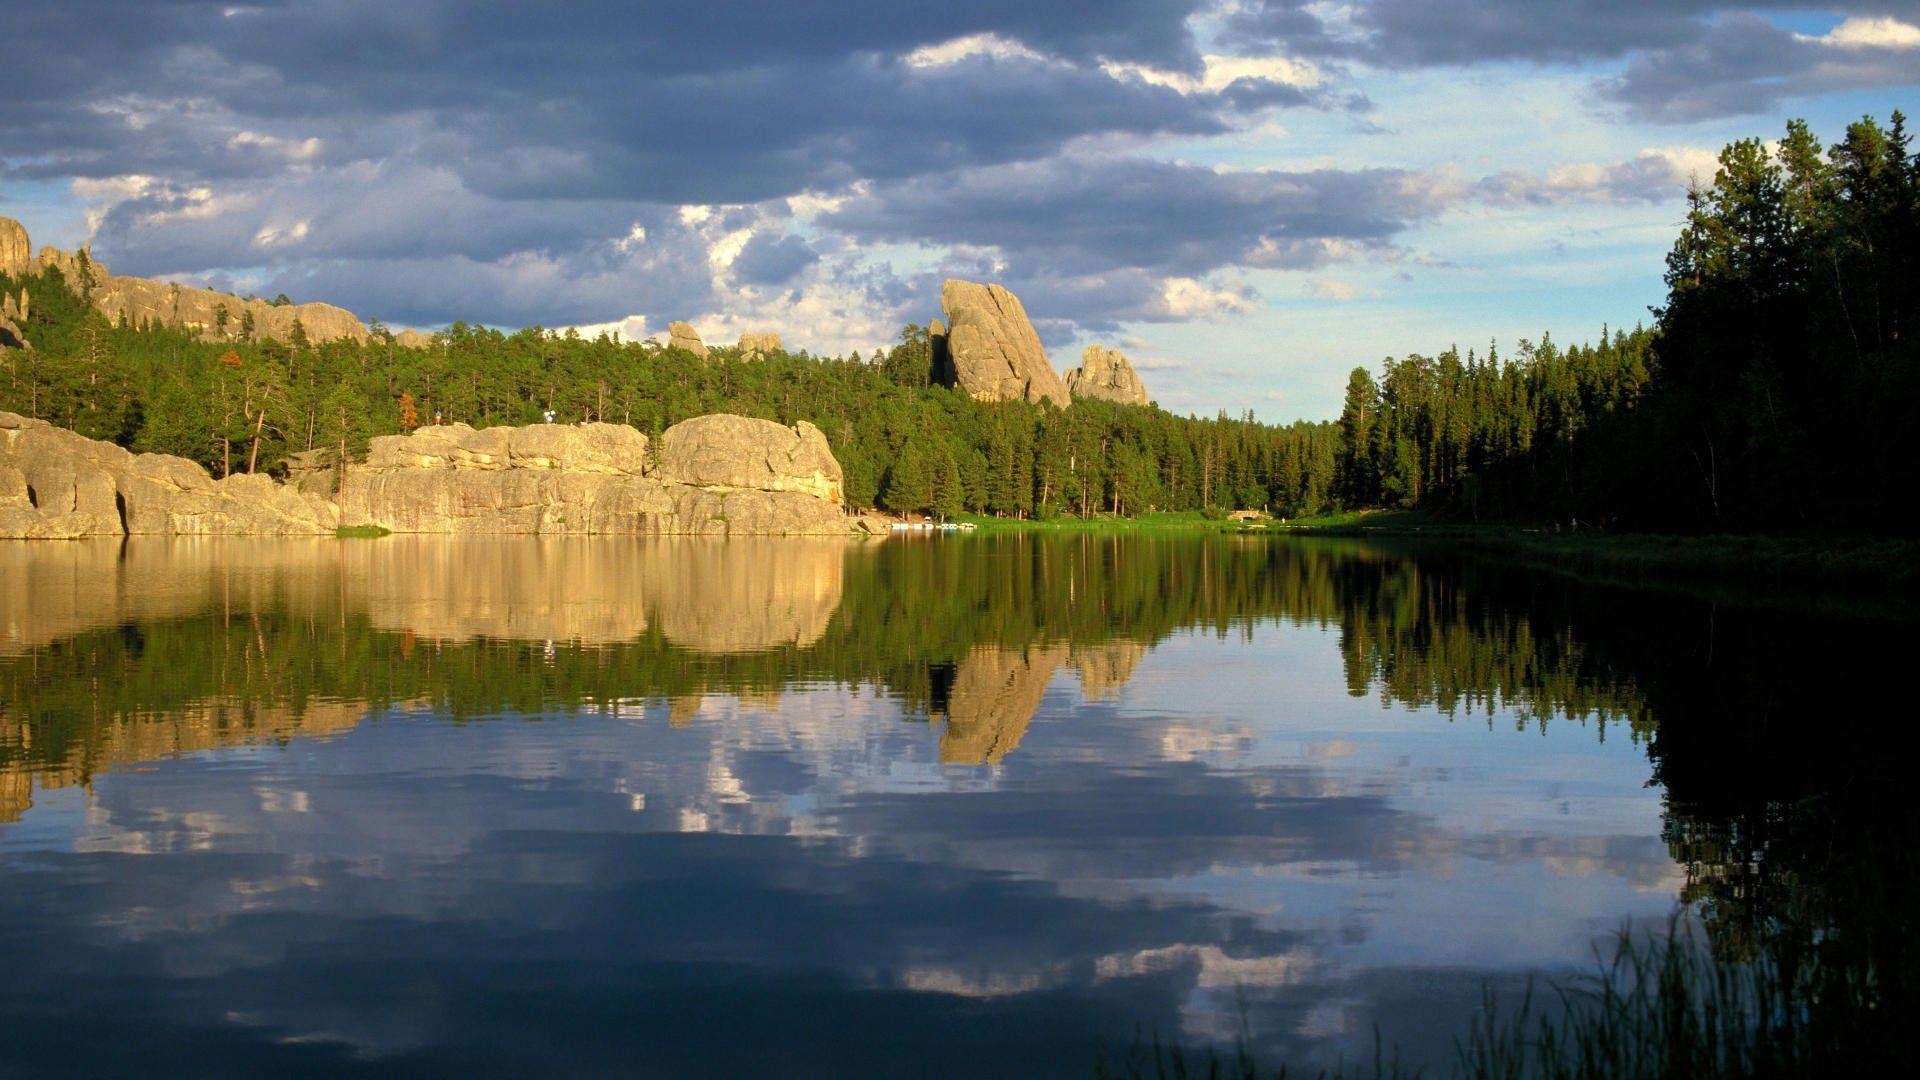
{"x": 991, "y": 349}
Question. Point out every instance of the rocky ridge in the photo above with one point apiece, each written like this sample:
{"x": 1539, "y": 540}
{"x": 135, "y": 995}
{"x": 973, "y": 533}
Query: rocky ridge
{"x": 212, "y": 314}
{"x": 712, "y": 475}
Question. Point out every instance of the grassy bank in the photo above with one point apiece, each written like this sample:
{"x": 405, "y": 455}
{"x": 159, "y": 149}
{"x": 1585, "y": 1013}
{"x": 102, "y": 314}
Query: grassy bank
{"x": 1192, "y": 521}
{"x": 1788, "y": 559}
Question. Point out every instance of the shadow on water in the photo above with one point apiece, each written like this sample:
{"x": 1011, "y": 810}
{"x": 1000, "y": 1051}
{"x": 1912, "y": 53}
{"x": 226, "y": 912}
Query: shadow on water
{"x": 1767, "y": 730}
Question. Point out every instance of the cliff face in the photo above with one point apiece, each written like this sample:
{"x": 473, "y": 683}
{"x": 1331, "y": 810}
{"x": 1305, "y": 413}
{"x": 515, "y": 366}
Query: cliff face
{"x": 55, "y": 484}
{"x": 721, "y": 475}
{"x": 16, "y": 252}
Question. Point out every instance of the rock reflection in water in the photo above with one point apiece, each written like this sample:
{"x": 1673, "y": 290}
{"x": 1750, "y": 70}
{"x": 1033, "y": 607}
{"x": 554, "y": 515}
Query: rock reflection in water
{"x": 736, "y": 595}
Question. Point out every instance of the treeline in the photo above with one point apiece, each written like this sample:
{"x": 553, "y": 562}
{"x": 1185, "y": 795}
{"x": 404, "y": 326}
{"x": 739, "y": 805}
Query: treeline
{"x": 1486, "y": 434}
{"x": 1771, "y": 393}
{"x": 244, "y": 405}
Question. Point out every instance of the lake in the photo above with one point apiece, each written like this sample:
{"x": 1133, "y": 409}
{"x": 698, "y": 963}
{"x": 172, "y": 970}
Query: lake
{"x": 978, "y": 805}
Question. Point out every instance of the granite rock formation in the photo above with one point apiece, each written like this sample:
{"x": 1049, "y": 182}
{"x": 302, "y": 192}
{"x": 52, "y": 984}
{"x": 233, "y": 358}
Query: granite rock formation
{"x": 718, "y": 475}
{"x": 13, "y": 320}
{"x": 730, "y": 453}
{"x": 55, "y": 484}
{"x": 16, "y": 251}
{"x": 682, "y": 335}
{"x": 1107, "y": 374}
{"x": 759, "y": 346}
{"x": 141, "y": 300}
{"x": 990, "y": 348}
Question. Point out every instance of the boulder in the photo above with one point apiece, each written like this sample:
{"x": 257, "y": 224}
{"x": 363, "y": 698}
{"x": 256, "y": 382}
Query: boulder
{"x": 682, "y": 335}
{"x": 1107, "y": 374}
{"x": 56, "y": 484}
{"x": 725, "y": 451}
{"x": 16, "y": 252}
{"x": 759, "y": 346}
{"x": 991, "y": 349}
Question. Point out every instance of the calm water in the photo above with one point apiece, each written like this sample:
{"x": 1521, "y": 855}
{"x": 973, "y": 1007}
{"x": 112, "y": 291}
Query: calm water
{"x": 950, "y": 807}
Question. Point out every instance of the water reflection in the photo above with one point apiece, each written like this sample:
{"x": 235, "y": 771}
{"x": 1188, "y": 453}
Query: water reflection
{"x": 818, "y": 807}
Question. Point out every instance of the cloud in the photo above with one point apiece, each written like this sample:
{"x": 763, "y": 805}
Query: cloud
{"x": 1339, "y": 292}
{"x": 1743, "y": 64}
{"x": 1873, "y": 33}
{"x": 1654, "y": 175}
{"x": 1687, "y": 59}
{"x": 768, "y": 259}
{"x": 1101, "y": 213}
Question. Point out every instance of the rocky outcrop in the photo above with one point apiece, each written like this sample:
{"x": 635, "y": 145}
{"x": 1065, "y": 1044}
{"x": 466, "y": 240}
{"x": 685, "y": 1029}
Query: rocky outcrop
{"x": 1107, "y": 374}
{"x": 55, "y": 484}
{"x": 217, "y": 315}
{"x": 759, "y": 346}
{"x": 682, "y": 335}
{"x": 16, "y": 251}
{"x": 725, "y": 452}
{"x": 725, "y": 475}
{"x": 13, "y": 318}
{"x": 139, "y": 301}
{"x": 990, "y": 348}
{"x": 717, "y": 475}
{"x": 413, "y": 339}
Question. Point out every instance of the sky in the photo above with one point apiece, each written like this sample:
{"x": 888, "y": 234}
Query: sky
{"x": 1249, "y": 197}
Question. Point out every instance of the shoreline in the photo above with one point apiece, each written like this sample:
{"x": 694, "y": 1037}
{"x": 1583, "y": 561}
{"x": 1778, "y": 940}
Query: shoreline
{"x": 1782, "y": 560}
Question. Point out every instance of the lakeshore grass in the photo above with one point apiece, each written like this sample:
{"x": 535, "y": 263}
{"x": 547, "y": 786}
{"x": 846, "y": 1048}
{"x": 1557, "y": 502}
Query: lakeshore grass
{"x": 362, "y": 532}
{"x": 1188, "y": 521}
{"x": 1735, "y": 558}
{"x": 1744, "y": 559}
